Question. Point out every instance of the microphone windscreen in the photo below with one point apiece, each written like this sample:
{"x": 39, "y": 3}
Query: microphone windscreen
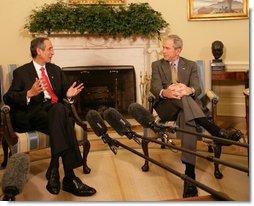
{"x": 96, "y": 122}
{"x": 117, "y": 121}
{"x": 16, "y": 173}
{"x": 139, "y": 113}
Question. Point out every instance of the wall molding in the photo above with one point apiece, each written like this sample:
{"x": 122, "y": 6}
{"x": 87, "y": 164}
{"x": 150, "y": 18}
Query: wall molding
{"x": 237, "y": 66}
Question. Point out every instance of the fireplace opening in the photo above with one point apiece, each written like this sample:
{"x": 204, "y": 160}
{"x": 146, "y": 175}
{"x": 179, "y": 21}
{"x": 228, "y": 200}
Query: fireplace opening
{"x": 105, "y": 86}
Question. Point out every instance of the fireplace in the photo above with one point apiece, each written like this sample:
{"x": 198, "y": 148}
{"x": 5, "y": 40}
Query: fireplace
{"x": 93, "y": 54}
{"x": 105, "y": 86}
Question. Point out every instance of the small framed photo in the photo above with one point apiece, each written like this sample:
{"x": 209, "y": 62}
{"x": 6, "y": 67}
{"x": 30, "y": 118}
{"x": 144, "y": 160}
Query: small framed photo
{"x": 217, "y": 9}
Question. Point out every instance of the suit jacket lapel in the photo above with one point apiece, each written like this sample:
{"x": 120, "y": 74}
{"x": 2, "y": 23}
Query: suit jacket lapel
{"x": 32, "y": 75}
{"x": 32, "y": 72}
{"x": 181, "y": 70}
{"x": 166, "y": 70}
{"x": 50, "y": 72}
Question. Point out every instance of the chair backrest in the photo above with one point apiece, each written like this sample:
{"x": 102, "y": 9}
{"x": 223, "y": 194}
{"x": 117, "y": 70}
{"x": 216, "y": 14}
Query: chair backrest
{"x": 201, "y": 75}
{"x": 1, "y": 85}
{"x": 11, "y": 68}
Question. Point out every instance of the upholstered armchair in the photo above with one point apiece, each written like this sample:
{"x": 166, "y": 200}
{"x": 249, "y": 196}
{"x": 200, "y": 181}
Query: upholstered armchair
{"x": 14, "y": 142}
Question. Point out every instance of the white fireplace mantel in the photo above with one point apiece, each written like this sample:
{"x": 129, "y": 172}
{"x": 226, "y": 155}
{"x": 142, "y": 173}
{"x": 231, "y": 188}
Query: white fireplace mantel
{"x": 83, "y": 51}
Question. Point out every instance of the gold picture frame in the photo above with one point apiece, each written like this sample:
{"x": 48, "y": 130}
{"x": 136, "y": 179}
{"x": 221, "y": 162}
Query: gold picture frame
{"x": 217, "y": 9}
{"x": 111, "y": 2}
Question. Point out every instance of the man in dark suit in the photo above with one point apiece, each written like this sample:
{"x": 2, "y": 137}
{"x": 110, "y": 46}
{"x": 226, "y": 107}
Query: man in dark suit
{"x": 35, "y": 107}
{"x": 175, "y": 84}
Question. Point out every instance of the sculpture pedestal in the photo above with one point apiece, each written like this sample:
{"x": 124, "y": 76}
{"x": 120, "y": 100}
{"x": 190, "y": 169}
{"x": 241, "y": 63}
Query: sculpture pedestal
{"x": 217, "y": 66}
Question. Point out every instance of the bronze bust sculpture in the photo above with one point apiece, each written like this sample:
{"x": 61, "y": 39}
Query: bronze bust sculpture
{"x": 217, "y": 50}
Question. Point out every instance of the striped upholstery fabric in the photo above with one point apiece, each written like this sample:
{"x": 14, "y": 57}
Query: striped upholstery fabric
{"x": 35, "y": 140}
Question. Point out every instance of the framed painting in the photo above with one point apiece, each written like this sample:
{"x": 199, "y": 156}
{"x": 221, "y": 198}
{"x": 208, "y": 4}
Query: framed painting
{"x": 217, "y": 9}
{"x": 113, "y": 2}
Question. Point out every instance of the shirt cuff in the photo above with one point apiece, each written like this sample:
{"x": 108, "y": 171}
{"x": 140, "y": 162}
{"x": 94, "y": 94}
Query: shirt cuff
{"x": 70, "y": 100}
{"x": 193, "y": 91}
{"x": 28, "y": 100}
{"x": 161, "y": 95}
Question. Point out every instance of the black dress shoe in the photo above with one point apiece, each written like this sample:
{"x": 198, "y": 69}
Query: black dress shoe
{"x": 53, "y": 185}
{"x": 230, "y": 134}
{"x": 190, "y": 190}
{"x": 77, "y": 187}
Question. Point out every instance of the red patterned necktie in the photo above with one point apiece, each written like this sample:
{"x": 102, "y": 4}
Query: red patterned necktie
{"x": 45, "y": 80}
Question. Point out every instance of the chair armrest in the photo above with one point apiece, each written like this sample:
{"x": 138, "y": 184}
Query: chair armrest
{"x": 76, "y": 117}
{"x": 209, "y": 97}
{"x": 214, "y": 98}
{"x": 9, "y": 134}
{"x": 246, "y": 92}
{"x": 151, "y": 101}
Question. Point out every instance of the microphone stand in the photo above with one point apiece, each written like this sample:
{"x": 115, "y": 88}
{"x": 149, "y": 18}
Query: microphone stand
{"x": 208, "y": 157}
{"x": 171, "y": 129}
{"x": 216, "y": 194}
{"x": 107, "y": 139}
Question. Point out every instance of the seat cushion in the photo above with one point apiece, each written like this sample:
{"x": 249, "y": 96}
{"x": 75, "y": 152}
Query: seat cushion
{"x": 36, "y": 140}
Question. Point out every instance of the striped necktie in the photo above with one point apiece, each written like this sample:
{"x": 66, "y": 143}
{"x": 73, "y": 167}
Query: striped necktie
{"x": 173, "y": 73}
{"x": 46, "y": 83}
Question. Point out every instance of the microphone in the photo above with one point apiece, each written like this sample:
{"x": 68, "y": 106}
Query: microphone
{"x": 100, "y": 129}
{"x": 146, "y": 119}
{"x": 120, "y": 124}
{"x": 15, "y": 176}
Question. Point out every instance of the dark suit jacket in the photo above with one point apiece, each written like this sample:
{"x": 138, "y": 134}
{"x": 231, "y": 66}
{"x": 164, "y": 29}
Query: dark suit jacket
{"x": 23, "y": 79}
{"x": 161, "y": 76}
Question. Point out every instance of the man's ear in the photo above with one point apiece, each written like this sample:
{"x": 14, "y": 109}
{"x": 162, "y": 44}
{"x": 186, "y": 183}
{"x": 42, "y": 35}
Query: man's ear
{"x": 38, "y": 51}
{"x": 179, "y": 50}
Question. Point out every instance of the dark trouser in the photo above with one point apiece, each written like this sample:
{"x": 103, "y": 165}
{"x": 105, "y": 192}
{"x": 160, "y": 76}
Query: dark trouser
{"x": 184, "y": 112}
{"x": 169, "y": 109}
{"x": 56, "y": 121}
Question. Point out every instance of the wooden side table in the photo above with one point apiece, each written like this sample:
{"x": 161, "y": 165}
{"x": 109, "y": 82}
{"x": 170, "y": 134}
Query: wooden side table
{"x": 229, "y": 76}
